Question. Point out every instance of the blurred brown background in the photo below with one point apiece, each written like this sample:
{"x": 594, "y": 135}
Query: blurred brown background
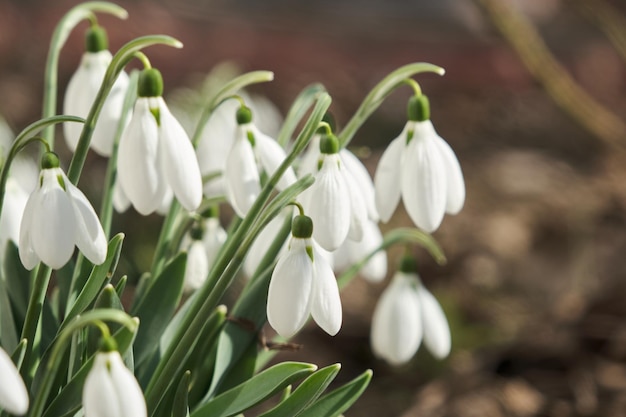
{"x": 535, "y": 284}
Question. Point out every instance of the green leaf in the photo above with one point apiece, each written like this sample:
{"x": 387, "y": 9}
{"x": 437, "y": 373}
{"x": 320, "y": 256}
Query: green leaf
{"x": 180, "y": 407}
{"x": 298, "y": 109}
{"x": 99, "y": 276}
{"x": 339, "y": 400}
{"x": 69, "y": 399}
{"x": 17, "y": 280}
{"x": 107, "y": 299}
{"x": 306, "y": 393}
{"x": 8, "y": 331}
{"x": 255, "y": 390}
{"x": 157, "y": 307}
{"x": 18, "y": 354}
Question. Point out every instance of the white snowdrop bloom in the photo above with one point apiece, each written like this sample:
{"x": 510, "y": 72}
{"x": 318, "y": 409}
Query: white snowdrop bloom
{"x": 351, "y": 252}
{"x": 333, "y": 201}
{"x": 420, "y": 167}
{"x": 156, "y": 157}
{"x": 252, "y": 153}
{"x": 303, "y": 284}
{"x": 406, "y": 314}
{"x": 56, "y": 218}
{"x": 111, "y": 390}
{"x": 13, "y": 394}
{"x": 82, "y": 90}
{"x": 264, "y": 239}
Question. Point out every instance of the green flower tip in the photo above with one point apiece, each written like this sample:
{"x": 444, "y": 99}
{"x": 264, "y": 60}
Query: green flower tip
{"x": 329, "y": 144}
{"x": 197, "y": 231}
{"x": 244, "y": 115}
{"x": 302, "y": 227}
{"x": 211, "y": 212}
{"x": 108, "y": 344}
{"x": 408, "y": 265}
{"x": 418, "y": 108}
{"x": 96, "y": 39}
{"x": 49, "y": 160}
{"x": 150, "y": 83}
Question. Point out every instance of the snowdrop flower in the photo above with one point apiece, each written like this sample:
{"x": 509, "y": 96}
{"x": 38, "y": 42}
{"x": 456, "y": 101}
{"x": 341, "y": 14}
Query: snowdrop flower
{"x": 406, "y": 314}
{"x": 111, "y": 390}
{"x": 252, "y": 152}
{"x": 156, "y": 157}
{"x": 351, "y": 252}
{"x": 56, "y": 218}
{"x": 420, "y": 167}
{"x": 203, "y": 243}
{"x": 303, "y": 284}
{"x": 13, "y": 394}
{"x": 333, "y": 201}
{"x": 83, "y": 88}
{"x": 264, "y": 239}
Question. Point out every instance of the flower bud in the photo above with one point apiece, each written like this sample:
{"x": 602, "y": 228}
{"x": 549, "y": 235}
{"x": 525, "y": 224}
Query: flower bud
{"x": 418, "y": 109}
{"x": 150, "y": 83}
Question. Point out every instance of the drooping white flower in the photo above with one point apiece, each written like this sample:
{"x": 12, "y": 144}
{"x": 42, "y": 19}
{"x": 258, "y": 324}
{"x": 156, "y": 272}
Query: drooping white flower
{"x": 303, "y": 284}
{"x": 13, "y": 394}
{"x": 351, "y": 252}
{"x": 420, "y": 167}
{"x": 82, "y": 90}
{"x": 56, "y": 218}
{"x": 111, "y": 390}
{"x": 203, "y": 244}
{"x": 406, "y": 314}
{"x": 252, "y": 153}
{"x": 334, "y": 201}
{"x": 156, "y": 157}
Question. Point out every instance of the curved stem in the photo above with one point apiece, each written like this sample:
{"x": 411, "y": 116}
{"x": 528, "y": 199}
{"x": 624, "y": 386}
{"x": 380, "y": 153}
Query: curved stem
{"x": 59, "y": 37}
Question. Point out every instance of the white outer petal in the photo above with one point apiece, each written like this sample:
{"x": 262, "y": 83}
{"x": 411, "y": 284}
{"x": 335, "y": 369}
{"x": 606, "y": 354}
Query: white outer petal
{"x": 110, "y": 115}
{"x": 90, "y": 237}
{"x": 137, "y": 162}
{"x": 454, "y": 177}
{"x": 129, "y": 395}
{"x": 214, "y": 238}
{"x": 423, "y": 181}
{"x": 387, "y": 177}
{"x": 241, "y": 175}
{"x": 289, "y": 295}
{"x": 325, "y": 300}
{"x": 15, "y": 199}
{"x": 99, "y": 394}
{"x": 197, "y": 267}
{"x": 271, "y": 155}
{"x": 436, "y": 329}
{"x": 13, "y": 394}
{"x": 375, "y": 270}
{"x": 53, "y": 232}
{"x": 27, "y": 253}
{"x": 178, "y": 160}
{"x": 328, "y": 205}
{"x": 397, "y": 323}
{"x": 121, "y": 203}
{"x": 363, "y": 180}
{"x": 311, "y": 158}
{"x": 358, "y": 208}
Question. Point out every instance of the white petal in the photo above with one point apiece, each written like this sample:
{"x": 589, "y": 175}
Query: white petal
{"x": 27, "y": 253}
{"x": 358, "y": 208}
{"x": 99, "y": 395}
{"x": 120, "y": 200}
{"x": 436, "y": 329}
{"x": 197, "y": 268}
{"x": 454, "y": 176}
{"x": 262, "y": 242}
{"x": 397, "y": 324}
{"x": 138, "y": 170}
{"x": 179, "y": 161}
{"x": 288, "y": 298}
{"x": 271, "y": 155}
{"x": 53, "y": 232}
{"x": 387, "y": 176}
{"x": 423, "y": 180}
{"x": 325, "y": 300}
{"x": 375, "y": 269}
{"x": 328, "y": 205}
{"x": 241, "y": 175}
{"x": 311, "y": 158}
{"x": 15, "y": 199}
{"x": 13, "y": 394}
{"x": 363, "y": 181}
{"x": 110, "y": 115}
{"x": 129, "y": 395}
{"x": 213, "y": 240}
{"x": 90, "y": 237}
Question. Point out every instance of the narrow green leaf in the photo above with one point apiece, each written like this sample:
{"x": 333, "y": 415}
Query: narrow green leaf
{"x": 298, "y": 109}
{"x": 18, "y": 354}
{"x": 339, "y": 400}
{"x": 180, "y": 408}
{"x": 157, "y": 306}
{"x": 17, "y": 280}
{"x": 306, "y": 393}
{"x": 106, "y": 299}
{"x": 255, "y": 390}
{"x": 100, "y": 275}
{"x": 8, "y": 330}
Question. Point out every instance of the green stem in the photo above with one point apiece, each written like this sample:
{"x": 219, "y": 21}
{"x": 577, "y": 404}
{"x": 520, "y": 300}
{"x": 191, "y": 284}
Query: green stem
{"x": 298, "y": 110}
{"x": 92, "y": 317}
{"x": 119, "y": 61}
{"x": 223, "y": 271}
{"x": 59, "y": 37}
{"x": 379, "y": 93}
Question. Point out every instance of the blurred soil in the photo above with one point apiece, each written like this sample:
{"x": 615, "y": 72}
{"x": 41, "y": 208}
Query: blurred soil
{"x": 536, "y": 280}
